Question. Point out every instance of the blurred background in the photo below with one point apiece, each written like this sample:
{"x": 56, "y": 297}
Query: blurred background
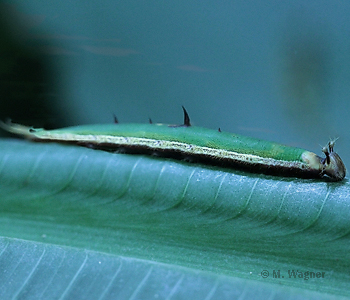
{"x": 276, "y": 70}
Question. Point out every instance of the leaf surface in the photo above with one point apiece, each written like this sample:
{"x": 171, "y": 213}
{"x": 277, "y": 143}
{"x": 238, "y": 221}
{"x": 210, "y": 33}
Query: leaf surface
{"x": 213, "y": 223}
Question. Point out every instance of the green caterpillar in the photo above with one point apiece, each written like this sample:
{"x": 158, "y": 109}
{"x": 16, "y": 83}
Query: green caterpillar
{"x": 196, "y": 144}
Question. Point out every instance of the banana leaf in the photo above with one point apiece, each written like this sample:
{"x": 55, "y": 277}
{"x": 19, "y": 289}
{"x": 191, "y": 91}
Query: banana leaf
{"x": 78, "y": 223}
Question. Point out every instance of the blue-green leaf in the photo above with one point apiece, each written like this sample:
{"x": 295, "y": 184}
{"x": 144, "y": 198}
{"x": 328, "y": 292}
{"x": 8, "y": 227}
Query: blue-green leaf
{"x": 225, "y": 224}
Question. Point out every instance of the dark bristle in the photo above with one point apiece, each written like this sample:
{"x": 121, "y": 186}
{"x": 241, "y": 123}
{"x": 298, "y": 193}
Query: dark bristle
{"x": 219, "y": 129}
{"x": 187, "y": 122}
{"x": 115, "y": 119}
{"x": 150, "y": 120}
